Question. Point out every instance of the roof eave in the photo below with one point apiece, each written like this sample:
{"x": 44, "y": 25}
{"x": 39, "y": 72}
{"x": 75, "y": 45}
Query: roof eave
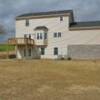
{"x": 41, "y": 16}
{"x": 84, "y": 28}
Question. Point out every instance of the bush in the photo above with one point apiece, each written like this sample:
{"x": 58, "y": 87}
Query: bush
{"x": 69, "y": 58}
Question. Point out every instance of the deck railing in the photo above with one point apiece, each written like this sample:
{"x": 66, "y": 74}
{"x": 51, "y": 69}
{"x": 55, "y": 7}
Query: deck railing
{"x": 20, "y": 41}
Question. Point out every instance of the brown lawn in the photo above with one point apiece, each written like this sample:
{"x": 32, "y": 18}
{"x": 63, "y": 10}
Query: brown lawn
{"x": 49, "y": 80}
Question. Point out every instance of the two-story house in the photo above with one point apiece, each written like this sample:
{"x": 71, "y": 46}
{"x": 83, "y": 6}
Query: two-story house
{"x": 55, "y": 34}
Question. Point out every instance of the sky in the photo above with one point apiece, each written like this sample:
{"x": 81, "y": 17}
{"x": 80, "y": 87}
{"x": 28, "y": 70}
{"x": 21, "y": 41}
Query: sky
{"x": 84, "y": 10}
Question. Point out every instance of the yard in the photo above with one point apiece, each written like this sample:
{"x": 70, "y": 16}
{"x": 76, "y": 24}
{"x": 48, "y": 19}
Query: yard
{"x": 5, "y": 47}
{"x": 49, "y": 80}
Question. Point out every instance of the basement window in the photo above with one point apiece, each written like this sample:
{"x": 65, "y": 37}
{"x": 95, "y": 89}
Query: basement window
{"x": 42, "y": 51}
{"x": 55, "y": 51}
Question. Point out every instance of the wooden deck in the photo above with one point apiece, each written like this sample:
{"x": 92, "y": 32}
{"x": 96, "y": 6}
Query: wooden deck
{"x": 20, "y": 41}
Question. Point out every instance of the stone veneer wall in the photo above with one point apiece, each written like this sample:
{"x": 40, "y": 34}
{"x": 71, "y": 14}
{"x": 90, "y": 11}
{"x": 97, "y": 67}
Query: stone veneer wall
{"x": 84, "y": 51}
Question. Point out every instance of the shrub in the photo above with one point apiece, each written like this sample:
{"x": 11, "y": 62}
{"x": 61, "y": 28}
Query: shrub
{"x": 69, "y": 58}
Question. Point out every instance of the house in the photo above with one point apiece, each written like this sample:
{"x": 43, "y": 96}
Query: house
{"x": 55, "y": 35}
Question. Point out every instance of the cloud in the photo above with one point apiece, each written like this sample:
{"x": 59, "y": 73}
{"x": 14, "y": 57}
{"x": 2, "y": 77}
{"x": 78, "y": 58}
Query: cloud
{"x": 83, "y": 10}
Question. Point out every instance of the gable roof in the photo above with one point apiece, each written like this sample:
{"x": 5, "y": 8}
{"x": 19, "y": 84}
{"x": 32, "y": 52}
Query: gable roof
{"x": 45, "y": 14}
{"x": 73, "y": 25}
{"x": 85, "y": 25}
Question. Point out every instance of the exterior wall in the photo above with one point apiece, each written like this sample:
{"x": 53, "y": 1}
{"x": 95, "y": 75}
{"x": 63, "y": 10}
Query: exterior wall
{"x": 34, "y": 53}
{"x": 54, "y": 25}
{"x": 84, "y": 51}
{"x": 69, "y": 37}
{"x": 85, "y": 44}
{"x": 83, "y": 37}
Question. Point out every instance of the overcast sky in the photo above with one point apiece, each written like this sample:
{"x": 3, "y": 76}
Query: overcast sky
{"x": 84, "y": 10}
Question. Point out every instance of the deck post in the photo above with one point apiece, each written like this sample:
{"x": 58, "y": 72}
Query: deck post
{"x": 16, "y": 44}
{"x": 8, "y": 49}
{"x": 26, "y": 47}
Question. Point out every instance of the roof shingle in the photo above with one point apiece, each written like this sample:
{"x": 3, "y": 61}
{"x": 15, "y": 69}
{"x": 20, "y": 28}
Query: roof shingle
{"x": 46, "y": 13}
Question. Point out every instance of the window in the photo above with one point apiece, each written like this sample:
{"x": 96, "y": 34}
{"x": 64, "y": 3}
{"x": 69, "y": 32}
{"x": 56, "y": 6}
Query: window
{"x": 61, "y": 18}
{"x": 38, "y": 36}
{"x": 59, "y": 34}
{"x": 24, "y": 52}
{"x": 29, "y": 36}
{"x": 56, "y": 51}
{"x": 29, "y": 52}
{"x": 55, "y": 34}
{"x": 42, "y": 51}
{"x": 27, "y": 22}
{"x": 45, "y": 35}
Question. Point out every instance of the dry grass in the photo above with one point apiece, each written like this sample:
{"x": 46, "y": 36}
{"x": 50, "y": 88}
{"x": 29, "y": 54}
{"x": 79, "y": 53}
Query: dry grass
{"x": 4, "y": 55}
{"x": 49, "y": 80}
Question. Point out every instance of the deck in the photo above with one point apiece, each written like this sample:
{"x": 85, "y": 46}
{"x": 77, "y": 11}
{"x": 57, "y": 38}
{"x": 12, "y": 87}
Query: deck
{"x": 20, "y": 41}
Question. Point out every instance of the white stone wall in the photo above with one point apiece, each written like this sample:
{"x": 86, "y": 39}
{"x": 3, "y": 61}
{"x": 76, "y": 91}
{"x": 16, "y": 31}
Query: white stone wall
{"x": 84, "y": 52}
